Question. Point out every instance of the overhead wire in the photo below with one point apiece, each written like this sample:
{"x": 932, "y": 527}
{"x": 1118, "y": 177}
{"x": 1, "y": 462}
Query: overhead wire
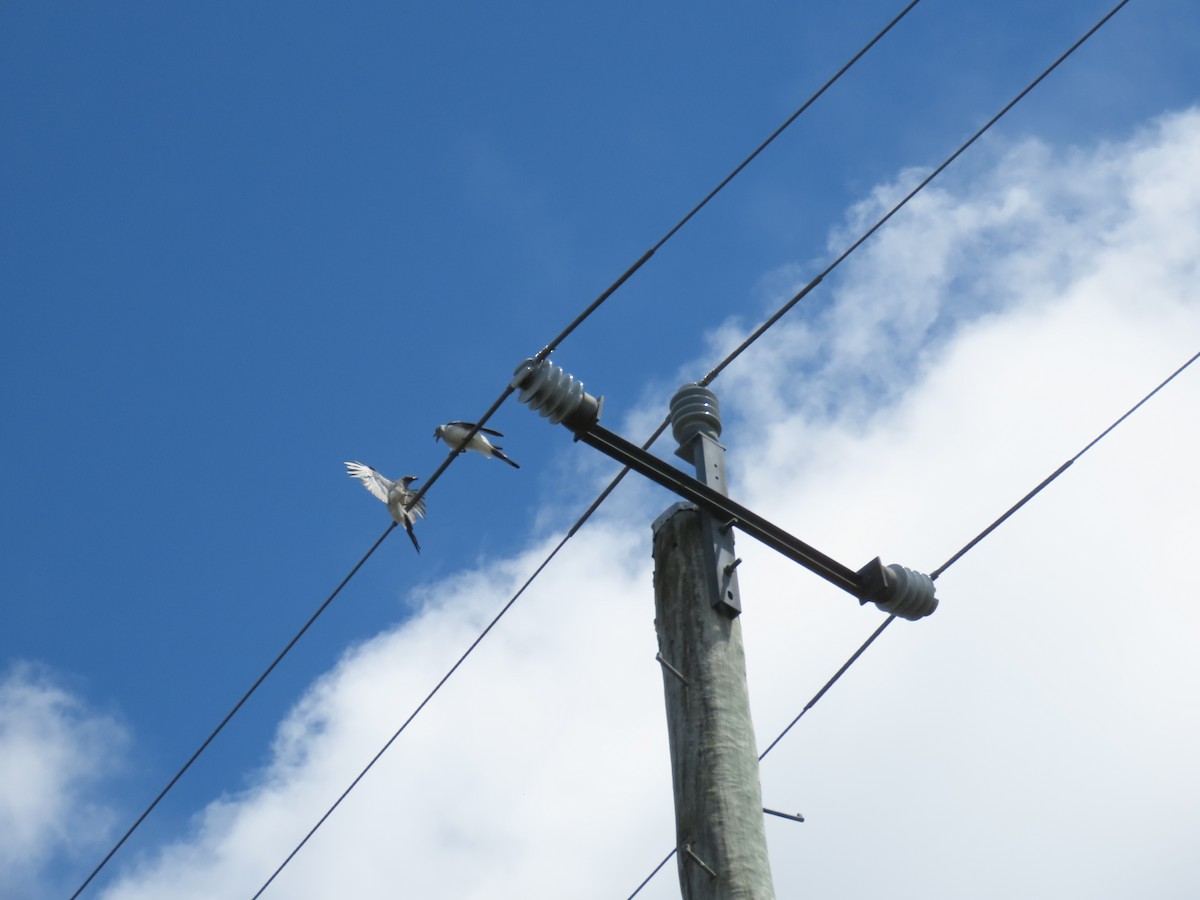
{"x": 966, "y": 548}
{"x": 232, "y": 712}
{"x": 712, "y": 375}
{"x": 971, "y": 544}
{"x": 504, "y": 395}
{"x": 803, "y": 292}
{"x": 437, "y": 687}
{"x": 1053, "y": 475}
{"x": 549, "y": 348}
{"x": 645, "y": 257}
{"x": 811, "y": 703}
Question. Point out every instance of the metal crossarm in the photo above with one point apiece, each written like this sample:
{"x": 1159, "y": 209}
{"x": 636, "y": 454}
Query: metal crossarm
{"x": 723, "y": 508}
{"x": 559, "y": 397}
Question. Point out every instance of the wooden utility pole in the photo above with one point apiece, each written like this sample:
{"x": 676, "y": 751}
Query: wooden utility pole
{"x": 721, "y": 841}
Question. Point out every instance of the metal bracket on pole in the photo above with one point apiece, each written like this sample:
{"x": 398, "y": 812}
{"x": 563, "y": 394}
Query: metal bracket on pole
{"x": 691, "y": 854}
{"x": 696, "y": 424}
{"x": 894, "y": 589}
{"x": 774, "y": 812}
{"x": 670, "y": 668}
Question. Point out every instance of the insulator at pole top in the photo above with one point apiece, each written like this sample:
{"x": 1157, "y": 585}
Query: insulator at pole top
{"x": 695, "y": 411}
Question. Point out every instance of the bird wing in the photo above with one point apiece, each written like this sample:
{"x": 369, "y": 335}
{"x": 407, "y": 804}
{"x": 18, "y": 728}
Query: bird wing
{"x": 418, "y": 509}
{"x": 372, "y": 480}
{"x": 470, "y": 425}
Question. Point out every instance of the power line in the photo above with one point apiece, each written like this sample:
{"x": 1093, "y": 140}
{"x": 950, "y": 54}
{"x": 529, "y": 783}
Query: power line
{"x": 549, "y": 348}
{"x": 237, "y": 706}
{"x": 783, "y": 310}
{"x": 708, "y": 379}
{"x": 645, "y": 257}
{"x": 966, "y": 548}
{"x": 666, "y": 859}
{"x": 1053, "y": 475}
{"x": 475, "y": 643}
{"x": 545, "y": 352}
{"x": 811, "y": 703}
{"x": 816, "y": 698}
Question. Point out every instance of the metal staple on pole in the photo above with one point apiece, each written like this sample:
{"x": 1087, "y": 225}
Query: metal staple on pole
{"x": 774, "y": 812}
{"x": 670, "y": 668}
{"x": 691, "y": 854}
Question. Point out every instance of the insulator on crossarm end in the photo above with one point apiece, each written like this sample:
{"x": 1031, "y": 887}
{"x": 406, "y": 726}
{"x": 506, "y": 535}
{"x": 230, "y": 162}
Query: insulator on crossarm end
{"x": 556, "y": 395}
{"x": 897, "y": 590}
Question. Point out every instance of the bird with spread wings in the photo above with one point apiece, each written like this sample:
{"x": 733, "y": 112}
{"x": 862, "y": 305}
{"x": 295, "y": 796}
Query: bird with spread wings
{"x": 395, "y": 494}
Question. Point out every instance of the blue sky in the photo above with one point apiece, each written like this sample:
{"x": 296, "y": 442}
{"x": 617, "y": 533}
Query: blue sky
{"x": 243, "y": 244}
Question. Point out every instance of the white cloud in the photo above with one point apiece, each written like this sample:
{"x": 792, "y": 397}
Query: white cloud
{"x": 474, "y": 784}
{"x": 53, "y": 751}
{"x": 1035, "y": 737}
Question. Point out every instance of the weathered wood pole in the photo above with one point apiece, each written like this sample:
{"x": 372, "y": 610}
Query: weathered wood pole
{"x": 721, "y": 841}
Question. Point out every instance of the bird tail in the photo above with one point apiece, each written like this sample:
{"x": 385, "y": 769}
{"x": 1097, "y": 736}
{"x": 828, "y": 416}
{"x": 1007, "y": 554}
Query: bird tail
{"x": 496, "y": 452}
{"x": 412, "y": 535}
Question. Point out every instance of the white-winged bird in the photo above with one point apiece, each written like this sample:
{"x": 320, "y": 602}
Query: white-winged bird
{"x": 455, "y": 433}
{"x": 395, "y": 494}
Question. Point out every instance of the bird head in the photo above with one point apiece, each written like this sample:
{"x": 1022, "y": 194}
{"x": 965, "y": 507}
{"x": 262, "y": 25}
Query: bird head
{"x": 437, "y": 432}
{"x": 408, "y": 479}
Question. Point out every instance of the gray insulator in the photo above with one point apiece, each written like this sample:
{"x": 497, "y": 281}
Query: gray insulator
{"x": 554, "y": 394}
{"x": 694, "y": 410}
{"x": 909, "y": 594}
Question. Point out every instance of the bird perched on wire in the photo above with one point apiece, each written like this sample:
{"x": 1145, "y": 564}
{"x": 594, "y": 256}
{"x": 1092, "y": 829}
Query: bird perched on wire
{"x": 395, "y": 494}
{"x": 455, "y": 434}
